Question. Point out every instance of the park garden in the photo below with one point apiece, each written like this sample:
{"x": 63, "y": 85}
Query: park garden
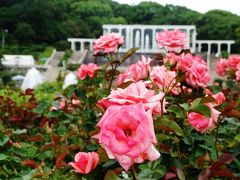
{"x": 164, "y": 117}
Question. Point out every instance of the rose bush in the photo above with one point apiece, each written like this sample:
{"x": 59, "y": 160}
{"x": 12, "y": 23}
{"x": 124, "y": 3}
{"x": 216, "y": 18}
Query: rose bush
{"x": 160, "y": 119}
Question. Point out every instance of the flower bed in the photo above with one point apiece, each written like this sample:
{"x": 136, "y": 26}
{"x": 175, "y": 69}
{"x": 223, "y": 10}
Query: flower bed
{"x": 161, "y": 122}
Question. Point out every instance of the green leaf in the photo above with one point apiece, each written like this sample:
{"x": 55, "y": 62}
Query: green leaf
{"x": 180, "y": 174}
{"x": 202, "y": 109}
{"x": 128, "y": 54}
{"x": 41, "y": 107}
{"x": 196, "y": 102}
{"x": 237, "y": 138}
{"x": 176, "y": 110}
{"x": 165, "y": 122}
{"x": 110, "y": 175}
{"x": 109, "y": 163}
{"x": 20, "y": 131}
{"x": 3, "y": 157}
{"x": 3, "y": 139}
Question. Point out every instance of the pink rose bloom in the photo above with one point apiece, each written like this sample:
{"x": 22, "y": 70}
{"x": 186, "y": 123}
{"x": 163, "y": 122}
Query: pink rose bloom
{"x": 87, "y": 70}
{"x": 136, "y": 72}
{"x": 198, "y": 75}
{"x": 164, "y": 79}
{"x": 202, "y": 123}
{"x": 127, "y": 134}
{"x": 170, "y": 58}
{"x": 185, "y": 61}
{"x": 221, "y": 67}
{"x": 133, "y": 94}
{"x": 85, "y": 162}
{"x": 197, "y": 72}
{"x": 172, "y": 40}
{"x": 219, "y": 98}
{"x": 108, "y": 43}
{"x": 234, "y": 61}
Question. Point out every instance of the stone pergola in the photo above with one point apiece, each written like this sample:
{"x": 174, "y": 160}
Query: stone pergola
{"x": 209, "y": 44}
{"x": 144, "y": 37}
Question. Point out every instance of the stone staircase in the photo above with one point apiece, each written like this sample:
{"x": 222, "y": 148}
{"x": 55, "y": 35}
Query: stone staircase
{"x": 53, "y": 69}
{"x": 77, "y": 57}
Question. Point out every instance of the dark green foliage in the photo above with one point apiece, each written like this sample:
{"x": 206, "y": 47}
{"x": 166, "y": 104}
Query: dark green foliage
{"x": 52, "y": 22}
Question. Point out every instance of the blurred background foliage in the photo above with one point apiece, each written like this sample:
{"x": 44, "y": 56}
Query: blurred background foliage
{"x": 42, "y": 22}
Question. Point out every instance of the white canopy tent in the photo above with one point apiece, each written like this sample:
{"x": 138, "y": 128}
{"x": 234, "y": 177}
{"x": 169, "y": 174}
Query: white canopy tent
{"x": 32, "y": 79}
{"x": 70, "y": 79}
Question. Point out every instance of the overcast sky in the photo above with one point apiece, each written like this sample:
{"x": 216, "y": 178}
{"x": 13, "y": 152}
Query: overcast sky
{"x": 197, "y": 5}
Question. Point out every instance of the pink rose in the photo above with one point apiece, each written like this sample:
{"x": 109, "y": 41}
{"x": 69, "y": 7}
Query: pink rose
{"x": 85, "y": 162}
{"x": 202, "y": 123}
{"x": 133, "y": 94}
{"x": 87, "y": 70}
{"x": 198, "y": 75}
{"x": 108, "y": 43}
{"x": 76, "y": 102}
{"x": 164, "y": 79}
{"x": 234, "y": 61}
{"x": 222, "y": 67}
{"x": 127, "y": 134}
{"x": 136, "y": 72}
{"x": 172, "y": 40}
{"x": 185, "y": 61}
{"x": 196, "y": 69}
{"x": 219, "y": 98}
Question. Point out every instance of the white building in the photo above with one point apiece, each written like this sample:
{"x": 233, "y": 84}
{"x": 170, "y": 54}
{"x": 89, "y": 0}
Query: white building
{"x": 23, "y": 61}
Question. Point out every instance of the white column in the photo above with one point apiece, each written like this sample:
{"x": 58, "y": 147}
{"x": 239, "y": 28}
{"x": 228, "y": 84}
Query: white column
{"x": 229, "y": 48}
{"x": 194, "y": 36}
{"x": 83, "y": 46}
{"x": 131, "y": 37}
{"x": 142, "y": 39}
{"x": 91, "y": 45}
{"x": 199, "y": 47}
{"x": 188, "y": 38}
{"x": 219, "y": 49}
{"x": 73, "y": 47}
{"x": 208, "y": 54}
{"x": 153, "y": 38}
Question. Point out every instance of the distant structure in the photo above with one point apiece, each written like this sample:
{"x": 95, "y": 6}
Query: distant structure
{"x": 143, "y": 37}
{"x": 23, "y": 61}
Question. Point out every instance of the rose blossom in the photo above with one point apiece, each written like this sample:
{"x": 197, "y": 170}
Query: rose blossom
{"x": 136, "y": 72}
{"x": 202, "y": 123}
{"x": 198, "y": 75}
{"x": 196, "y": 69}
{"x": 164, "y": 79}
{"x": 85, "y": 162}
{"x": 185, "y": 61}
{"x": 173, "y": 40}
{"x": 219, "y": 98}
{"x": 222, "y": 67}
{"x": 127, "y": 134}
{"x": 135, "y": 93}
{"x": 108, "y": 43}
{"x": 233, "y": 61}
{"x": 87, "y": 70}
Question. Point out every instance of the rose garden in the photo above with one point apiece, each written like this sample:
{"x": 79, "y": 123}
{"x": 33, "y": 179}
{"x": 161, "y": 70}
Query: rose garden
{"x": 164, "y": 117}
